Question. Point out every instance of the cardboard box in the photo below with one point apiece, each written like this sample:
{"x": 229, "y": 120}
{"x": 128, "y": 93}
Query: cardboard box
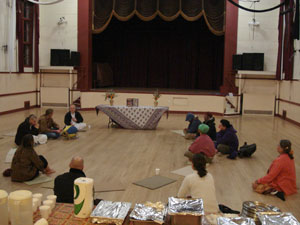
{"x": 139, "y": 222}
{"x": 185, "y": 220}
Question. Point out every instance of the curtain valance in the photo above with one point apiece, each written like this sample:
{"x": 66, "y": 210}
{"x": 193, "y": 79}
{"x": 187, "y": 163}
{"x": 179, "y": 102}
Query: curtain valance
{"x": 191, "y": 10}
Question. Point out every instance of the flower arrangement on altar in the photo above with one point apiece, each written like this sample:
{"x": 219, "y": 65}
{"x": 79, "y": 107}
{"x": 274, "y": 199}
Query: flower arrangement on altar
{"x": 110, "y": 95}
{"x": 156, "y": 96}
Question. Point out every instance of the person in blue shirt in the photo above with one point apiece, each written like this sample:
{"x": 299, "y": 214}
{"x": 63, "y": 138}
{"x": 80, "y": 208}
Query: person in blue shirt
{"x": 192, "y": 129}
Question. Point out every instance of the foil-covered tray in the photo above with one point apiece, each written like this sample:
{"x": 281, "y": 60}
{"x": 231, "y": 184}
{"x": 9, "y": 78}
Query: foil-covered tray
{"x": 235, "y": 221}
{"x": 155, "y": 212}
{"x": 110, "y": 212}
{"x": 269, "y": 218}
{"x": 183, "y": 206}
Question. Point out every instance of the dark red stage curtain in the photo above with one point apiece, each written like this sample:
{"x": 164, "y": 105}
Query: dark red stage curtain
{"x": 157, "y": 54}
{"x": 285, "y": 59}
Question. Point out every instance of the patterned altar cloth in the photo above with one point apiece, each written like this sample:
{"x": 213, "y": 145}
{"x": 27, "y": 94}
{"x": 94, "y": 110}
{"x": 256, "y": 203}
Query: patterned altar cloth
{"x": 63, "y": 214}
{"x": 138, "y": 118}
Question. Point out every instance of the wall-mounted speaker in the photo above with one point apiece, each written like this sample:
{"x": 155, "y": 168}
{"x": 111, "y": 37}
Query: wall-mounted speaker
{"x": 75, "y": 59}
{"x": 237, "y": 62}
{"x": 60, "y": 57}
{"x": 253, "y": 61}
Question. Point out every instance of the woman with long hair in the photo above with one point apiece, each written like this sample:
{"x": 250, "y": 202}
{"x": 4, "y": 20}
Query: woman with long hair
{"x": 200, "y": 184}
{"x": 26, "y": 163}
{"x": 281, "y": 176}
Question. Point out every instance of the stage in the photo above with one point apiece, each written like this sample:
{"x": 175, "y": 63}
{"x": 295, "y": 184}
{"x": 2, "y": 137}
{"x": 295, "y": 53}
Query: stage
{"x": 160, "y": 90}
{"x": 178, "y": 100}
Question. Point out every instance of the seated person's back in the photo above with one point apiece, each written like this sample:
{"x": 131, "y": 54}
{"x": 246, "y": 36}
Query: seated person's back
{"x": 200, "y": 184}
{"x": 64, "y": 184}
{"x": 26, "y": 164}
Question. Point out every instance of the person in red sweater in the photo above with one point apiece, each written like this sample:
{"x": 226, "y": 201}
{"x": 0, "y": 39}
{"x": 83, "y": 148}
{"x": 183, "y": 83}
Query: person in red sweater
{"x": 281, "y": 177}
{"x": 203, "y": 144}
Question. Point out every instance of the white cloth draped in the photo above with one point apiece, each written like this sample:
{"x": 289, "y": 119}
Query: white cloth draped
{"x": 11, "y": 43}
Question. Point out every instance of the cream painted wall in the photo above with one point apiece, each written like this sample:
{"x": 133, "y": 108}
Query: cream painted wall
{"x": 17, "y": 82}
{"x": 289, "y": 90}
{"x": 196, "y": 103}
{"x": 54, "y": 36}
{"x": 4, "y": 22}
{"x": 265, "y": 39}
{"x": 14, "y": 83}
{"x": 16, "y": 101}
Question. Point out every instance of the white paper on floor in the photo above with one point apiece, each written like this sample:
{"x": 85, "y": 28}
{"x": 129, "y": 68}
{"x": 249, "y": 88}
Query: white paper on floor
{"x": 185, "y": 171}
{"x": 10, "y": 134}
{"x": 180, "y": 132}
{"x": 10, "y": 155}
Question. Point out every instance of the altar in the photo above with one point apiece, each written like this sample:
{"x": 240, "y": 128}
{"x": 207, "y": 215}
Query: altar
{"x": 134, "y": 117}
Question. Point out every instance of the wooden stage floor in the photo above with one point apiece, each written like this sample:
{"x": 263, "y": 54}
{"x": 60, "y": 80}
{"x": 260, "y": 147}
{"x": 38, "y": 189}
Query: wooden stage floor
{"x": 114, "y": 155}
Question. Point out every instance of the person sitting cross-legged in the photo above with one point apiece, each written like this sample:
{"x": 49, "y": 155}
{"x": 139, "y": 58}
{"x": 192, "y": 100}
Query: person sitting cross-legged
{"x": 209, "y": 120}
{"x": 64, "y": 184}
{"x": 30, "y": 126}
{"x": 227, "y": 141}
{"x": 48, "y": 126}
{"x": 200, "y": 184}
{"x": 26, "y": 164}
{"x": 203, "y": 144}
{"x": 281, "y": 177}
{"x": 191, "y": 131}
{"x": 74, "y": 118}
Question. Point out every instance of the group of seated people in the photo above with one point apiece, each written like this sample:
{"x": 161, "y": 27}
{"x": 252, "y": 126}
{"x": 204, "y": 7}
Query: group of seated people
{"x": 207, "y": 140}
{"x": 46, "y": 128}
{"x": 281, "y": 176}
{"x": 280, "y": 179}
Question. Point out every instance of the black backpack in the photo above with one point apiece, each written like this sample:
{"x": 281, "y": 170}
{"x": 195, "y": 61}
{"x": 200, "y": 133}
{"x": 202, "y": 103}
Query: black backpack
{"x": 246, "y": 150}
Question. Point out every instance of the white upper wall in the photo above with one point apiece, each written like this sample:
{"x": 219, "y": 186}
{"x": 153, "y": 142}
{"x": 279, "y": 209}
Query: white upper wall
{"x": 54, "y": 36}
{"x": 265, "y": 36}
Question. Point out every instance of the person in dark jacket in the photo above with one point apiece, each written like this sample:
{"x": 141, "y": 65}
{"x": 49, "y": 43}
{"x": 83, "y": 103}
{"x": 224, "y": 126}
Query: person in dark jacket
{"x": 194, "y": 122}
{"x": 64, "y": 184}
{"x": 227, "y": 141}
{"x": 30, "y": 126}
{"x": 209, "y": 120}
{"x": 74, "y": 118}
{"x": 26, "y": 164}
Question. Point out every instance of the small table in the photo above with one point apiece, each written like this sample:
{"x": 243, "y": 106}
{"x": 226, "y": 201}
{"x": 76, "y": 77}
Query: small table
{"x": 137, "y": 118}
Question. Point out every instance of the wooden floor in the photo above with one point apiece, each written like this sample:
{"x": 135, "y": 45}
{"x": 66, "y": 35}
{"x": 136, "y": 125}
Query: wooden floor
{"x": 113, "y": 155}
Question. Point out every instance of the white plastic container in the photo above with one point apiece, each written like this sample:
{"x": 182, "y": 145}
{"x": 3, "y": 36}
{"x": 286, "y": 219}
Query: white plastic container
{"x": 20, "y": 207}
{"x": 3, "y": 208}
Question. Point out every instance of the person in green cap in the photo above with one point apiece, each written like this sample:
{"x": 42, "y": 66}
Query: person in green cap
{"x": 203, "y": 144}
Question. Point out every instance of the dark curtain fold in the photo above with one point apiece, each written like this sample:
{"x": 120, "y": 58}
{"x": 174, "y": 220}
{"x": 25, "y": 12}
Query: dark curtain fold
{"x": 159, "y": 54}
{"x": 191, "y": 8}
{"x": 288, "y": 54}
{"x": 124, "y": 7}
{"x": 146, "y": 8}
{"x": 102, "y": 12}
{"x": 169, "y": 8}
{"x": 215, "y": 13}
{"x": 36, "y": 37}
{"x": 285, "y": 58}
